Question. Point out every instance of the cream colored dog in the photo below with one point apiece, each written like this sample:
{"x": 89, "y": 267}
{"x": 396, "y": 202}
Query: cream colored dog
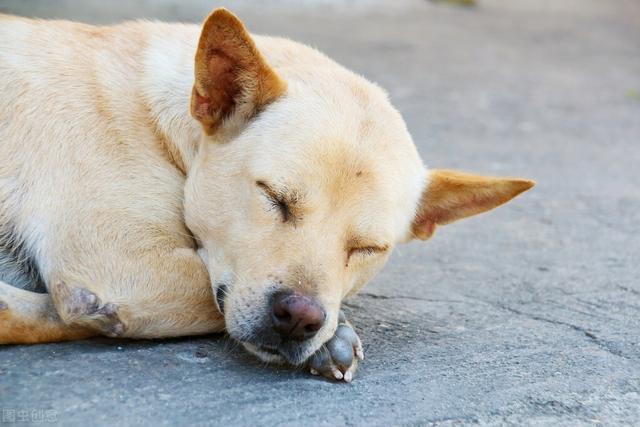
{"x": 120, "y": 173}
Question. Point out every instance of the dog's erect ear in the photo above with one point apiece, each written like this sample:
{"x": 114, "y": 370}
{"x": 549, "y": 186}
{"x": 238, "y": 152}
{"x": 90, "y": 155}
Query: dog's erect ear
{"x": 232, "y": 77}
{"x": 450, "y": 196}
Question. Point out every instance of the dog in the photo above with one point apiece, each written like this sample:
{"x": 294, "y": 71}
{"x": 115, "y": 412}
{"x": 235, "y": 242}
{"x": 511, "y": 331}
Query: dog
{"x": 161, "y": 180}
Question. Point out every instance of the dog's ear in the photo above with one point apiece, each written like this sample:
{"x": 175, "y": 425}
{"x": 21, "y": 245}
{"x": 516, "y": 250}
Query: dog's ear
{"x": 232, "y": 79}
{"x": 450, "y": 196}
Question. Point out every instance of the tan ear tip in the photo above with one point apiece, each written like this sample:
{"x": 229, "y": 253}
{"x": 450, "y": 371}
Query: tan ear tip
{"x": 524, "y": 184}
{"x": 223, "y": 13}
{"x": 221, "y": 18}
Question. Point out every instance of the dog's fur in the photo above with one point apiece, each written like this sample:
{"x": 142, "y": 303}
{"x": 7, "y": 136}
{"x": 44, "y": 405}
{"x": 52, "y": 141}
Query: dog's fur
{"x": 121, "y": 156}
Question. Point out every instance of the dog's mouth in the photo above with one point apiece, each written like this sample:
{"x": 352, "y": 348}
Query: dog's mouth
{"x": 290, "y": 352}
{"x": 269, "y": 350}
{"x": 264, "y": 353}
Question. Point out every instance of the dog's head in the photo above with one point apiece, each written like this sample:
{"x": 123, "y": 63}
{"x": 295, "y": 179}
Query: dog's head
{"x": 305, "y": 180}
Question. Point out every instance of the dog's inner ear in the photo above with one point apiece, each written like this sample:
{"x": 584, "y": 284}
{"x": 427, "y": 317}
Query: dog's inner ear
{"x": 232, "y": 79}
{"x": 450, "y": 196}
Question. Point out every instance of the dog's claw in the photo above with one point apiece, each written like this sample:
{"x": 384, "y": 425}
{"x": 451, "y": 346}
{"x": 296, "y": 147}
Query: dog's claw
{"x": 338, "y": 358}
{"x": 337, "y": 373}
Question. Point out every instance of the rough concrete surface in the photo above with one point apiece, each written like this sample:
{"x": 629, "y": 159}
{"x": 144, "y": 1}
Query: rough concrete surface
{"x": 529, "y": 315}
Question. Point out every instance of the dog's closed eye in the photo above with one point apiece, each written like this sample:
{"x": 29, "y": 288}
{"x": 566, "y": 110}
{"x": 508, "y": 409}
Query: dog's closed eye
{"x": 365, "y": 251}
{"x": 280, "y": 200}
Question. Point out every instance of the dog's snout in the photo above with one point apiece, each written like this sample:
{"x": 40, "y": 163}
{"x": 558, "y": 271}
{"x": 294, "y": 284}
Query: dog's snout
{"x": 296, "y": 316}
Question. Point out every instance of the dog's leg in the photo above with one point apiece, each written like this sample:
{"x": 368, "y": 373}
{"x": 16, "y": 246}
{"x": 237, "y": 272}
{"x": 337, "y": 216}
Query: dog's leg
{"x": 159, "y": 295}
{"x": 338, "y": 357}
{"x": 28, "y": 318}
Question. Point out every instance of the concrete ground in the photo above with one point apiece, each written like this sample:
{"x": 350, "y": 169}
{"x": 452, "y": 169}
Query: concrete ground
{"x": 529, "y": 315}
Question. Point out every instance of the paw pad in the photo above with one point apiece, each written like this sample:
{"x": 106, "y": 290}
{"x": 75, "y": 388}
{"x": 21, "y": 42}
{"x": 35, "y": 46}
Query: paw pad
{"x": 338, "y": 358}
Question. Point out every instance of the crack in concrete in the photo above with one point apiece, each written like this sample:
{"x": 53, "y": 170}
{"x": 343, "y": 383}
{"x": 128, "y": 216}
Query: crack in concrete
{"x": 575, "y": 310}
{"x": 600, "y": 343}
{"x": 590, "y": 335}
{"x": 630, "y": 290}
{"x": 408, "y": 297}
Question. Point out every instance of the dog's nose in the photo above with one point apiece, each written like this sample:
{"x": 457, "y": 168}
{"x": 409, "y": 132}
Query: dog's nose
{"x": 296, "y": 316}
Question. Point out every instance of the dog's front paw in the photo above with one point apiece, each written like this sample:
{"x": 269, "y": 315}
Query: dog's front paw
{"x": 338, "y": 357}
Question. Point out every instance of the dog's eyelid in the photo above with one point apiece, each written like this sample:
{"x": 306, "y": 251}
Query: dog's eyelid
{"x": 369, "y": 249}
{"x": 270, "y": 192}
{"x": 280, "y": 200}
{"x": 281, "y": 195}
{"x": 365, "y": 250}
{"x": 267, "y": 188}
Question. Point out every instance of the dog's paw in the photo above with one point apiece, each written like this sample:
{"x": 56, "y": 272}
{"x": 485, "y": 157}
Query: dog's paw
{"x": 338, "y": 358}
{"x": 83, "y": 306}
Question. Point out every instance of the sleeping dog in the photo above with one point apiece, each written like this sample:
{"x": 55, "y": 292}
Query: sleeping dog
{"x": 162, "y": 180}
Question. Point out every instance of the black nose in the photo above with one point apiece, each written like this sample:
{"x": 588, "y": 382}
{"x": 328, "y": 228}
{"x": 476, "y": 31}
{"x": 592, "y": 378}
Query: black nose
{"x": 296, "y": 316}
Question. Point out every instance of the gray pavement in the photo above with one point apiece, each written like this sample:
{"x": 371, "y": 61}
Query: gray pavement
{"x": 529, "y": 315}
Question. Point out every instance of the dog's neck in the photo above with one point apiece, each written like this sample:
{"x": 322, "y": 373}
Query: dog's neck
{"x": 167, "y": 84}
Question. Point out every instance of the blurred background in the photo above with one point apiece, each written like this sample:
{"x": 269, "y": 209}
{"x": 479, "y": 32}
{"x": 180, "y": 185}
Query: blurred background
{"x": 527, "y": 315}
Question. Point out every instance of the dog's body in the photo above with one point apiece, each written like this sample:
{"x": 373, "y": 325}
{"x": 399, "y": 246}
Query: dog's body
{"x": 101, "y": 163}
{"x": 90, "y": 176}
